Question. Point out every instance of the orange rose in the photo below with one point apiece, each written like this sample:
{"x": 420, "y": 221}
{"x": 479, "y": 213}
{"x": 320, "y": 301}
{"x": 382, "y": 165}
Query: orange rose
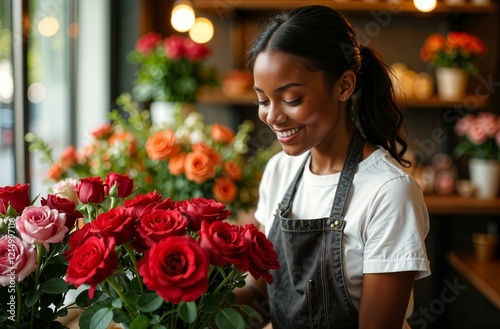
{"x": 221, "y": 133}
{"x": 214, "y": 156}
{"x": 55, "y": 172}
{"x": 162, "y": 145}
{"x": 125, "y": 138}
{"x": 176, "y": 164}
{"x": 232, "y": 169}
{"x": 198, "y": 167}
{"x": 68, "y": 157}
{"x": 435, "y": 42}
{"x": 224, "y": 190}
{"x": 103, "y": 132}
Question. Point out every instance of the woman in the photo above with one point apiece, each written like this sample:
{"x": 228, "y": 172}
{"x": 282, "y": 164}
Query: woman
{"x": 347, "y": 222}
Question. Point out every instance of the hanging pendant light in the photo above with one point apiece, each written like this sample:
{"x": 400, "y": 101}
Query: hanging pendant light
{"x": 425, "y": 5}
{"x": 182, "y": 18}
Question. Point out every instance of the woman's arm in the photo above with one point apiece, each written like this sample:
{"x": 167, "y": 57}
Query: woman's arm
{"x": 384, "y": 299}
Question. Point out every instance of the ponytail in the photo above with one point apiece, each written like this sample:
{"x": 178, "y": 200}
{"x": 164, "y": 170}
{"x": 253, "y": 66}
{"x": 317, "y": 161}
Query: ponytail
{"x": 376, "y": 111}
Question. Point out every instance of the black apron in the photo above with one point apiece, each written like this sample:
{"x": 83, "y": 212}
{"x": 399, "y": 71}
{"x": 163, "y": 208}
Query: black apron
{"x": 309, "y": 290}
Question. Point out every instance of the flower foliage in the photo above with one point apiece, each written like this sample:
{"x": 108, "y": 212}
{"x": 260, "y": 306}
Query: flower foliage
{"x": 190, "y": 159}
{"x": 32, "y": 265}
{"x": 481, "y": 136}
{"x": 456, "y": 49}
{"x": 171, "y": 69}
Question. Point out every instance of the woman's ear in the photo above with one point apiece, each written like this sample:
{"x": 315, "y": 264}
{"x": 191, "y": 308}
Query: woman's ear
{"x": 347, "y": 85}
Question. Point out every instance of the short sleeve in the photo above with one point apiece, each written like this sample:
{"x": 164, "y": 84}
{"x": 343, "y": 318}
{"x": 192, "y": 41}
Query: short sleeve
{"x": 396, "y": 230}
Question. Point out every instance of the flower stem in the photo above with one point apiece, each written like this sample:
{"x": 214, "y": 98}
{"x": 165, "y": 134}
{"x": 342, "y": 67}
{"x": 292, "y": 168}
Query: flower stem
{"x": 120, "y": 294}
{"x": 131, "y": 254}
{"x": 39, "y": 255}
{"x": 19, "y": 302}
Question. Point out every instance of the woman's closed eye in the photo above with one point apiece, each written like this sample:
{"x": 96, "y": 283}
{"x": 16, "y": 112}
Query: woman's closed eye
{"x": 294, "y": 102}
{"x": 262, "y": 102}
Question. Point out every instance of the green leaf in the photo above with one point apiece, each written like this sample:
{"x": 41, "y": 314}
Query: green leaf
{"x": 188, "y": 311}
{"x": 32, "y": 298}
{"x": 251, "y": 312}
{"x": 210, "y": 304}
{"x": 132, "y": 298}
{"x": 55, "y": 286}
{"x": 228, "y": 318}
{"x": 62, "y": 312}
{"x": 149, "y": 302}
{"x": 117, "y": 303}
{"x": 101, "y": 319}
{"x": 83, "y": 299}
{"x": 141, "y": 322}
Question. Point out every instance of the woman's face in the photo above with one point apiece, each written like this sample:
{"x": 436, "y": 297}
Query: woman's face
{"x": 295, "y": 103}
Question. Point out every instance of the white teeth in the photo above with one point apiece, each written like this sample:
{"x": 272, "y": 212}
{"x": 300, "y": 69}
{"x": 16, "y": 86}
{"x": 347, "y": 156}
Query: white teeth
{"x": 288, "y": 133}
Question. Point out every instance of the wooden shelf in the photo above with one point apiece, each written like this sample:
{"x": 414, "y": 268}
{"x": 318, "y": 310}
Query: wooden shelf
{"x": 217, "y": 97}
{"x": 457, "y": 205}
{"x": 484, "y": 277}
{"x": 353, "y": 6}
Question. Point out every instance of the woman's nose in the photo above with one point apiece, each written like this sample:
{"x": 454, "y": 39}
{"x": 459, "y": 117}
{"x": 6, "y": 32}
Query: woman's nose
{"x": 275, "y": 115}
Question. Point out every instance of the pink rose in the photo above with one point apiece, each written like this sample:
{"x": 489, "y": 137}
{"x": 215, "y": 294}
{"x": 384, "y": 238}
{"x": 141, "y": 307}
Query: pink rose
{"x": 17, "y": 196}
{"x": 199, "y": 210}
{"x": 195, "y": 51}
{"x": 224, "y": 244}
{"x": 174, "y": 47}
{"x": 147, "y": 43}
{"x": 463, "y": 124}
{"x": 477, "y": 134}
{"x": 17, "y": 259}
{"x": 66, "y": 189}
{"x": 41, "y": 225}
{"x": 124, "y": 184}
{"x": 489, "y": 123}
{"x": 90, "y": 190}
{"x": 92, "y": 262}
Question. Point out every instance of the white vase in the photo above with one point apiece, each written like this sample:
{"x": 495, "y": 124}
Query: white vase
{"x": 485, "y": 175}
{"x": 164, "y": 113}
{"x": 451, "y": 83}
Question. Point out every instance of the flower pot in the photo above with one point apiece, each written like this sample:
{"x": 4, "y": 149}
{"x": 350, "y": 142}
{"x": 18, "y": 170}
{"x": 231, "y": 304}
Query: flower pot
{"x": 485, "y": 175}
{"x": 164, "y": 113}
{"x": 451, "y": 83}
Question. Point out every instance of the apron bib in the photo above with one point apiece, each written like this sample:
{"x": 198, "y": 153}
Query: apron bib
{"x": 309, "y": 289}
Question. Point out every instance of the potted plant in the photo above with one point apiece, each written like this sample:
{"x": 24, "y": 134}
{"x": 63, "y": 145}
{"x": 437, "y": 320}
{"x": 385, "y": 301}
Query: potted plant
{"x": 171, "y": 70}
{"x": 481, "y": 141}
{"x": 455, "y": 56}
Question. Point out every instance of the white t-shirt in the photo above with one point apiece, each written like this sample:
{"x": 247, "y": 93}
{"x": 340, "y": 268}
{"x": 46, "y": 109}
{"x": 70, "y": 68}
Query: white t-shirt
{"x": 386, "y": 216}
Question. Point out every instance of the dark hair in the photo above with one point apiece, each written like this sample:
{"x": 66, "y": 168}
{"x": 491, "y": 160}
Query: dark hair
{"x": 326, "y": 41}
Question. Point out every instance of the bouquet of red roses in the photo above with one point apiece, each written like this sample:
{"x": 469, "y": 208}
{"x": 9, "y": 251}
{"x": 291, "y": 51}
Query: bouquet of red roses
{"x": 151, "y": 262}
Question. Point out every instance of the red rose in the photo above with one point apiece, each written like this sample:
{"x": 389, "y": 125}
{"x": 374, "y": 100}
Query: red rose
{"x": 76, "y": 239}
{"x": 116, "y": 224}
{"x": 159, "y": 224}
{"x": 261, "y": 254}
{"x": 161, "y": 205}
{"x": 65, "y": 206}
{"x": 90, "y": 190}
{"x": 92, "y": 263}
{"x": 147, "y": 43}
{"x": 174, "y": 47}
{"x": 124, "y": 184}
{"x": 199, "y": 210}
{"x": 141, "y": 201}
{"x": 176, "y": 268}
{"x": 224, "y": 244}
{"x": 17, "y": 196}
{"x": 195, "y": 51}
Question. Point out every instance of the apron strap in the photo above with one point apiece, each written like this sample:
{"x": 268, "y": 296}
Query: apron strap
{"x": 347, "y": 174}
{"x": 290, "y": 192}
